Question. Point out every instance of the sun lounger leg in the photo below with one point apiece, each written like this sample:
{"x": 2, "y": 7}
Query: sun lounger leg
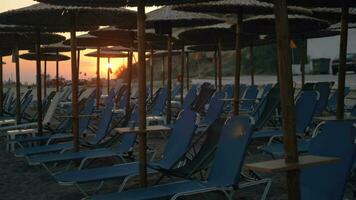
{"x": 266, "y": 181}
{"x": 124, "y": 182}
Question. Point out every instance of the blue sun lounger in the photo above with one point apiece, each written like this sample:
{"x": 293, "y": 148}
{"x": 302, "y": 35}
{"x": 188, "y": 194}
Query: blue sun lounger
{"x": 100, "y": 133}
{"x": 224, "y": 176}
{"x": 177, "y": 145}
{"x": 305, "y": 107}
{"x": 333, "y": 99}
{"x": 328, "y": 181}
{"x": 127, "y": 141}
{"x": 214, "y": 111}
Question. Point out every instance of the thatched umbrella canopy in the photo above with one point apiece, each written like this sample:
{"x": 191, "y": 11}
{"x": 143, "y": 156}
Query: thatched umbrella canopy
{"x": 47, "y": 57}
{"x": 333, "y": 14}
{"x": 338, "y": 26}
{"x": 319, "y": 3}
{"x": 264, "y": 24}
{"x": 238, "y": 8}
{"x": 141, "y": 58}
{"x": 56, "y": 48}
{"x": 60, "y": 18}
{"x": 21, "y": 41}
{"x": 163, "y": 20}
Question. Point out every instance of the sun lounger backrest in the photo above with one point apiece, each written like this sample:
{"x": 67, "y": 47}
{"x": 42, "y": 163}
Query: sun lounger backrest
{"x": 175, "y": 91}
{"x": 305, "y": 109}
{"x": 160, "y": 102}
{"x": 324, "y": 89}
{"x": 104, "y": 123}
{"x": 127, "y": 141}
{"x": 250, "y": 94}
{"x": 52, "y": 108}
{"x": 266, "y": 90}
{"x": 328, "y": 181}
{"x": 231, "y": 151}
{"x": 179, "y": 139}
{"x": 87, "y": 110}
{"x": 243, "y": 88}
{"x": 264, "y": 111}
{"x": 333, "y": 99}
{"x": 26, "y": 103}
{"x": 229, "y": 90}
{"x": 215, "y": 108}
{"x": 189, "y": 98}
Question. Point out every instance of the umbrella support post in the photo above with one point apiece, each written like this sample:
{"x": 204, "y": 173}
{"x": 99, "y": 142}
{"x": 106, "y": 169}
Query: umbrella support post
{"x": 216, "y": 69}
{"x": 45, "y": 80}
{"x": 97, "y": 92}
{"x": 182, "y": 76}
{"x": 74, "y": 67}
{"x": 252, "y": 65}
{"x": 219, "y": 66}
{"x": 129, "y": 82}
{"x": 238, "y": 64}
{"x": 39, "y": 83}
{"x": 141, "y": 26}
{"x": 303, "y": 61}
{"x": 286, "y": 92}
{"x": 169, "y": 78}
{"x": 342, "y": 63}
{"x": 18, "y": 88}
{"x": 151, "y": 75}
{"x": 57, "y": 72}
{"x": 109, "y": 69}
{"x": 187, "y": 66}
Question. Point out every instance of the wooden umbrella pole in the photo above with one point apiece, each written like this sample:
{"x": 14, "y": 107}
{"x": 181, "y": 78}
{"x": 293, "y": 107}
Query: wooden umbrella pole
{"x": 57, "y": 72}
{"x": 342, "y": 63}
{"x": 75, "y": 109}
{"x": 286, "y": 93}
{"x": 163, "y": 72}
{"x": 303, "y": 56}
{"x": 38, "y": 83}
{"x": 252, "y": 65}
{"x": 188, "y": 78}
{"x": 169, "y": 78}
{"x": 238, "y": 63}
{"x": 1, "y": 88}
{"x": 18, "y": 88}
{"x": 219, "y": 66}
{"x": 182, "y": 76}
{"x": 216, "y": 69}
{"x": 141, "y": 26}
{"x": 151, "y": 74}
{"x": 78, "y": 59}
{"x": 97, "y": 92}
{"x": 129, "y": 81}
{"x": 45, "y": 79}
{"x": 108, "y": 78}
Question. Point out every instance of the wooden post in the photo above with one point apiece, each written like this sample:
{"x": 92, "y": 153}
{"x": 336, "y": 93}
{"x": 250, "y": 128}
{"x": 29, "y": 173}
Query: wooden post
{"x": 342, "y": 63}
{"x": 39, "y": 83}
{"x": 287, "y": 97}
{"x": 219, "y": 66}
{"x": 238, "y": 63}
{"x": 303, "y": 60}
{"x": 1, "y": 88}
{"x": 108, "y": 78}
{"x": 45, "y": 79}
{"x": 182, "y": 76}
{"x": 129, "y": 81}
{"x": 18, "y": 88}
{"x": 57, "y": 72}
{"x": 75, "y": 69}
{"x": 78, "y": 59}
{"x": 252, "y": 65}
{"x": 188, "y": 78}
{"x": 97, "y": 92}
{"x": 169, "y": 78}
{"x": 216, "y": 69}
{"x": 151, "y": 74}
{"x": 141, "y": 26}
{"x": 163, "y": 71}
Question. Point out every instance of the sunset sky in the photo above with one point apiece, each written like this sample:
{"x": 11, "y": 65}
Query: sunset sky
{"x": 27, "y": 68}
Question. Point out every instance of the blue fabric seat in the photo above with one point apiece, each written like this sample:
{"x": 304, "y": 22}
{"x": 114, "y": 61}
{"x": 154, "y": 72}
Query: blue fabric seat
{"x": 177, "y": 145}
{"x": 224, "y": 174}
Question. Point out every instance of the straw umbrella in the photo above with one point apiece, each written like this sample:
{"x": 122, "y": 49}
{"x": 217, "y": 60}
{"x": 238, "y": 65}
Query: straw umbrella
{"x": 68, "y": 19}
{"x": 3, "y": 53}
{"x": 108, "y": 54}
{"x": 56, "y": 48}
{"x": 20, "y": 41}
{"x": 46, "y": 57}
{"x": 281, "y": 27}
{"x": 239, "y": 8}
{"x": 215, "y": 34}
{"x": 163, "y": 20}
{"x": 141, "y": 58}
